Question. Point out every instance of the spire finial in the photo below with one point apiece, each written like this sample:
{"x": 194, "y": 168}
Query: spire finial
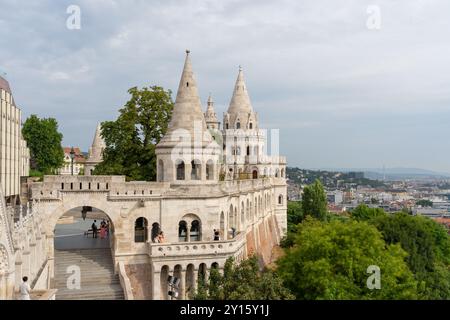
{"x": 240, "y": 68}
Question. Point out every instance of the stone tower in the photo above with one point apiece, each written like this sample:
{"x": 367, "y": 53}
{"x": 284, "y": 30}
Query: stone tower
{"x": 95, "y": 155}
{"x": 210, "y": 115}
{"x": 187, "y": 153}
{"x": 243, "y": 140}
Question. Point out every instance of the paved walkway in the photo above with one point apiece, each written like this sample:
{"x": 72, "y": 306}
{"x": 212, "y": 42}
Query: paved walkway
{"x": 71, "y": 236}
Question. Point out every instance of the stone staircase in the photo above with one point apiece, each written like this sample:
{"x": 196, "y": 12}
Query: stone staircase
{"x": 98, "y": 281}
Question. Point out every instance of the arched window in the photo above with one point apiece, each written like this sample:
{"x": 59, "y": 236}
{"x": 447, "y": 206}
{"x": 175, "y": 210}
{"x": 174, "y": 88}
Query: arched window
{"x": 255, "y": 174}
{"x": 280, "y": 199}
{"x": 277, "y": 173}
{"x": 238, "y": 125}
{"x": 195, "y": 234}
{"x": 242, "y": 216}
{"x": 140, "y": 230}
{"x": 196, "y": 169}
{"x": 155, "y": 231}
{"x": 160, "y": 170}
{"x": 182, "y": 231}
{"x": 222, "y": 225}
{"x": 248, "y": 150}
{"x": 250, "y": 125}
{"x": 238, "y": 151}
{"x": 180, "y": 170}
{"x": 210, "y": 170}
{"x": 226, "y": 126}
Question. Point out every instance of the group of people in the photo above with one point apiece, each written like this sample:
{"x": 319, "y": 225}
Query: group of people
{"x": 159, "y": 237}
{"x": 104, "y": 229}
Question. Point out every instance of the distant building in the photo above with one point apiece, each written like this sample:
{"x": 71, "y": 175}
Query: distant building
{"x": 14, "y": 153}
{"x": 78, "y": 162}
{"x": 335, "y": 197}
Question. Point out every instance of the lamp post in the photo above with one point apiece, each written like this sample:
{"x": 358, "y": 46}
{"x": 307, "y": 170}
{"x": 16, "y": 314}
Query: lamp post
{"x": 72, "y": 156}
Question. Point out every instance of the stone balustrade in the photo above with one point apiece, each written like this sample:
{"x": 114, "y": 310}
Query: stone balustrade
{"x": 198, "y": 248}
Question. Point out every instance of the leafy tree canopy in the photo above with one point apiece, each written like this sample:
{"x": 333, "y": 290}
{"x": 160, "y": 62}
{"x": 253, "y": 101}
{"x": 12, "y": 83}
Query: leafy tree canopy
{"x": 131, "y": 139}
{"x": 330, "y": 261}
{"x": 44, "y": 142}
{"x": 244, "y": 281}
{"x": 314, "y": 201}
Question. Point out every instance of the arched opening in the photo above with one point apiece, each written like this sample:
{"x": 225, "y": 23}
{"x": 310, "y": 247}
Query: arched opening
{"x": 280, "y": 199}
{"x": 196, "y": 170}
{"x": 277, "y": 173}
{"x": 238, "y": 125}
{"x": 210, "y": 170}
{"x": 182, "y": 231}
{"x": 177, "y": 272}
{"x": 222, "y": 226}
{"x": 242, "y": 216}
{"x": 195, "y": 234}
{"x": 214, "y": 265}
{"x": 250, "y": 125}
{"x": 180, "y": 170}
{"x": 248, "y": 150}
{"x": 227, "y": 125}
{"x": 255, "y": 174}
{"x": 164, "y": 284}
{"x": 160, "y": 170}
{"x": 85, "y": 234}
{"x": 155, "y": 231}
{"x": 202, "y": 276}
{"x": 190, "y": 281}
{"x": 140, "y": 230}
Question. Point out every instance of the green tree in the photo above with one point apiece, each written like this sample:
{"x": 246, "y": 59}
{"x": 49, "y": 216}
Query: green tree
{"x": 44, "y": 141}
{"x": 314, "y": 201}
{"x": 131, "y": 139}
{"x": 330, "y": 261}
{"x": 428, "y": 247}
{"x": 364, "y": 213}
{"x": 424, "y": 203}
{"x": 294, "y": 217}
{"x": 244, "y": 281}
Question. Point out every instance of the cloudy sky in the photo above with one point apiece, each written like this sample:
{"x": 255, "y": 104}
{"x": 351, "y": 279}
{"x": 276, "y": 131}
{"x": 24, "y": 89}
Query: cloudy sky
{"x": 343, "y": 92}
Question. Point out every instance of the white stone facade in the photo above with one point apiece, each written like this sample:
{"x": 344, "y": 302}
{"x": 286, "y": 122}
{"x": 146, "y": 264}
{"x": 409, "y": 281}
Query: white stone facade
{"x": 188, "y": 201}
{"x": 14, "y": 153}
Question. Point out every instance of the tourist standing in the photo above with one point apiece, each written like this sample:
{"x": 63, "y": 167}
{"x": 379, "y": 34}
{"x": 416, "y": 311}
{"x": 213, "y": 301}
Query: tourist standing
{"x": 161, "y": 237}
{"x": 25, "y": 289}
{"x": 94, "y": 229}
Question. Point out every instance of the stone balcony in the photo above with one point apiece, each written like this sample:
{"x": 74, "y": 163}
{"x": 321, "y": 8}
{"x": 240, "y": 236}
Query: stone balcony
{"x": 198, "y": 248}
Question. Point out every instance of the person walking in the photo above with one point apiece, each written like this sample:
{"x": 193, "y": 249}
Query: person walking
{"x": 103, "y": 231}
{"x": 25, "y": 289}
{"x": 94, "y": 229}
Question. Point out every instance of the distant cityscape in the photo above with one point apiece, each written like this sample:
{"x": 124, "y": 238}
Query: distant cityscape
{"x": 428, "y": 196}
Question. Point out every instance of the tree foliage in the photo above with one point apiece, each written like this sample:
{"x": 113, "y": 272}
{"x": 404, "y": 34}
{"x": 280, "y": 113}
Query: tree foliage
{"x": 428, "y": 247}
{"x": 330, "y": 261}
{"x": 244, "y": 281}
{"x": 131, "y": 139}
{"x": 44, "y": 142}
{"x": 364, "y": 213}
{"x": 294, "y": 217}
{"x": 314, "y": 201}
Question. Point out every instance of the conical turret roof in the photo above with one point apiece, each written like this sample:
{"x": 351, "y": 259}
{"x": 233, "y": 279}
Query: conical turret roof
{"x": 187, "y": 113}
{"x": 98, "y": 145}
{"x": 240, "y": 102}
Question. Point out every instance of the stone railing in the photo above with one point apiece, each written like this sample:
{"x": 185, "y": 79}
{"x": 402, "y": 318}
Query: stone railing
{"x": 198, "y": 248}
{"x": 125, "y": 282}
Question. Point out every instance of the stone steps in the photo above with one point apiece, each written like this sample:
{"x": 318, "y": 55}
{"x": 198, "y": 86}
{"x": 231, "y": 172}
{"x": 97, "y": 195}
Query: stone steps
{"x": 98, "y": 281}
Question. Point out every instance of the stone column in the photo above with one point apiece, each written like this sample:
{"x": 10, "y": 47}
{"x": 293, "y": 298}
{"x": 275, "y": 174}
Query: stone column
{"x": 183, "y": 284}
{"x": 156, "y": 284}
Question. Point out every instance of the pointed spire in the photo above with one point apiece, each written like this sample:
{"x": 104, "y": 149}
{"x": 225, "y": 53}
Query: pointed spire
{"x": 98, "y": 145}
{"x": 210, "y": 114}
{"x": 187, "y": 112}
{"x": 240, "y": 102}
